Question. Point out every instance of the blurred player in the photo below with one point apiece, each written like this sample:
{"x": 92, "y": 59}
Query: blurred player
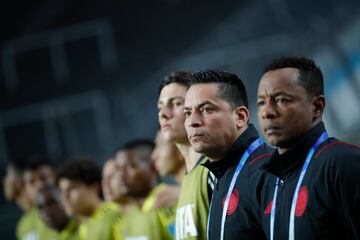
{"x": 80, "y": 185}
{"x": 14, "y": 190}
{"x": 115, "y": 193}
{"x": 140, "y": 182}
{"x": 168, "y": 159}
{"x": 107, "y": 173}
{"x": 38, "y": 175}
{"x": 53, "y": 215}
{"x": 169, "y": 162}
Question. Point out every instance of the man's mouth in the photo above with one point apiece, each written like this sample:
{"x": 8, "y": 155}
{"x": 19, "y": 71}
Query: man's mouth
{"x": 271, "y": 130}
{"x": 196, "y": 137}
{"x": 165, "y": 126}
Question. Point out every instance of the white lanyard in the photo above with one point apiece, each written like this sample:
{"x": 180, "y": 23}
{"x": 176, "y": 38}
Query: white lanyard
{"x": 324, "y": 136}
{"x": 253, "y": 146}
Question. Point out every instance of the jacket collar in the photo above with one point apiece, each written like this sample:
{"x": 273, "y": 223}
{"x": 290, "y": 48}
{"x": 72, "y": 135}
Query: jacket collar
{"x": 281, "y": 164}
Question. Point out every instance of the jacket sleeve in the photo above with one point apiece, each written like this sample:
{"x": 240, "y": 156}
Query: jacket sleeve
{"x": 346, "y": 186}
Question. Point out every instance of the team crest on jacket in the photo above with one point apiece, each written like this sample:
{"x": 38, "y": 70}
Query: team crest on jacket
{"x": 233, "y": 203}
{"x": 268, "y": 208}
{"x": 301, "y": 201}
{"x": 300, "y": 205}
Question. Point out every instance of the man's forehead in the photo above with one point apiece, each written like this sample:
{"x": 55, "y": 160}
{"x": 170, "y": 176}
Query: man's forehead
{"x": 280, "y": 79}
{"x": 39, "y": 169}
{"x": 125, "y": 156}
{"x": 73, "y": 184}
{"x": 165, "y": 99}
{"x": 201, "y": 93}
{"x": 172, "y": 90}
{"x": 28, "y": 175}
{"x": 285, "y": 75}
{"x": 109, "y": 164}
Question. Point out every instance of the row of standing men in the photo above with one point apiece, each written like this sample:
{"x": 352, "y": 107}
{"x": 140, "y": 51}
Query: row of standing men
{"x": 229, "y": 184}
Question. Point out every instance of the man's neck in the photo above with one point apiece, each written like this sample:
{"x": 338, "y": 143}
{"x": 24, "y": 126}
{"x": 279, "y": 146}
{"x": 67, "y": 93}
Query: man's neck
{"x": 180, "y": 174}
{"x": 63, "y": 225}
{"x": 282, "y": 150}
{"x": 125, "y": 203}
{"x": 191, "y": 157}
{"x": 88, "y": 214}
{"x": 140, "y": 199}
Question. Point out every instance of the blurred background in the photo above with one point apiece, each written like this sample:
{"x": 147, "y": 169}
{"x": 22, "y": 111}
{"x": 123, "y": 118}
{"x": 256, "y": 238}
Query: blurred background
{"x": 79, "y": 78}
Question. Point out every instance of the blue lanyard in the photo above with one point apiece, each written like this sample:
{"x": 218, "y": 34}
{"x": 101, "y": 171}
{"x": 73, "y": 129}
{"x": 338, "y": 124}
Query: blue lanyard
{"x": 324, "y": 136}
{"x": 253, "y": 146}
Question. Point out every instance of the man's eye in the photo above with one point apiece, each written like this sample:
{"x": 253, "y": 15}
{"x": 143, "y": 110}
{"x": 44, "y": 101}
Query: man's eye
{"x": 260, "y": 103}
{"x": 177, "y": 103}
{"x": 206, "y": 110}
{"x": 187, "y": 113}
{"x": 281, "y": 100}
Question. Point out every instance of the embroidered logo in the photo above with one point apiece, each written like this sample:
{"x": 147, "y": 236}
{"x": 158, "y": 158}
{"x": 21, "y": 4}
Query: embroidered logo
{"x": 233, "y": 203}
{"x": 301, "y": 201}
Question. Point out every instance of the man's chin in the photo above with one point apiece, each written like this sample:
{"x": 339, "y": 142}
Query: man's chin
{"x": 69, "y": 213}
{"x": 273, "y": 140}
{"x": 168, "y": 137}
{"x": 197, "y": 147}
{"x": 281, "y": 143}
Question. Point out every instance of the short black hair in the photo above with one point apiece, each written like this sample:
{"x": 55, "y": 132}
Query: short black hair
{"x": 139, "y": 143}
{"x": 179, "y": 77}
{"x": 29, "y": 162}
{"x": 84, "y": 170}
{"x": 34, "y": 162}
{"x": 143, "y": 147}
{"x": 230, "y": 86}
{"x": 310, "y": 75}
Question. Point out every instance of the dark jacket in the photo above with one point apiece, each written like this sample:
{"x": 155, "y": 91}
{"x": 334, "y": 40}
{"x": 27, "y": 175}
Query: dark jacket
{"x": 241, "y": 222}
{"x": 328, "y": 206}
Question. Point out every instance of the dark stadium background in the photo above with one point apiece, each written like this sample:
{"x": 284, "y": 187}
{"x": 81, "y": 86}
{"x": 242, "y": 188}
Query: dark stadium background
{"x": 80, "y": 77}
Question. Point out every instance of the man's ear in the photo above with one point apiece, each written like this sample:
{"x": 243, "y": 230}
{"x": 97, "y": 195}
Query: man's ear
{"x": 318, "y": 106}
{"x": 242, "y": 116}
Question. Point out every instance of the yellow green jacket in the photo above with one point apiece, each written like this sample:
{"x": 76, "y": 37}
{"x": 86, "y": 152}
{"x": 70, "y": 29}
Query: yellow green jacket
{"x": 148, "y": 223}
{"x": 100, "y": 226}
